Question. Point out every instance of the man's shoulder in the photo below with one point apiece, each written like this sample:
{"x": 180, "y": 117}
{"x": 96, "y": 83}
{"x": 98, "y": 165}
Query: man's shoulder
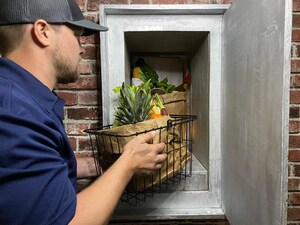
{"x": 12, "y": 96}
{"x": 4, "y": 82}
{"x": 5, "y": 93}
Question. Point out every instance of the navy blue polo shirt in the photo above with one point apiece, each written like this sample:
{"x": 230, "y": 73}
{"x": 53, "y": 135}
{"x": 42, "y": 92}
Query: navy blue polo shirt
{"x": 37, "y": 164}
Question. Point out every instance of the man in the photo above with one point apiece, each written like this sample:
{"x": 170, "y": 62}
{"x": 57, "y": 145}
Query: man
{"x": 39, "y": 45}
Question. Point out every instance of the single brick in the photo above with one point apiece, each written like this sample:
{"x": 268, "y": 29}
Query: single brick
{"x": 294, "y": 112}
{"x": 296, "y": 5}
{"x": 295, "y": 35}
{"x": 293, "y": 213}
{"x": 296, "y": 21}
{"x": 296, "y": 169}
{"x": 294, "y": 127}
{"x": 82, "y": 113}
{"x": 294, "y": 199}
{"x": 295, "y": 66}
{"x": 294, "y": 141}
{"x": 69, "y": 98}
{"x": 84, "y": 144}
{"x": 295, "y": 96}
{"x": 88, "y": 98}
{"x": 85, "y": 68}
{"x": 294, "y": 184}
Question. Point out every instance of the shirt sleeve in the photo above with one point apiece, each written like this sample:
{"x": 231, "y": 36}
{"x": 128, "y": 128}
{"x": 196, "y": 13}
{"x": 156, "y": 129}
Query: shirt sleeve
{"x": 35, "y": 187}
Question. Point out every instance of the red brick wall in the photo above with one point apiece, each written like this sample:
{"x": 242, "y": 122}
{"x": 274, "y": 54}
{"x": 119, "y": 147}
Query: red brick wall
{"x": 83, "y": 99}
{"x": 294, "y": 128}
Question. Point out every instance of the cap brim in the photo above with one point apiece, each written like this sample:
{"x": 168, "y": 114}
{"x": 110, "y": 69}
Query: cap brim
{"x": 89, "y": 26}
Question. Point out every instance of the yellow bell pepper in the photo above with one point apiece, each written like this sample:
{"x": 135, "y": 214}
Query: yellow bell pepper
{"x": 136, "y": 72}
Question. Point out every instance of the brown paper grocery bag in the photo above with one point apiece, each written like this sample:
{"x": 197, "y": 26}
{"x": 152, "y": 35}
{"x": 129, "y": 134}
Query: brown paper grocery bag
{"x": 111, "y": 144}
{"x": 176, "y": 102}
{"x": 175, "y": 163}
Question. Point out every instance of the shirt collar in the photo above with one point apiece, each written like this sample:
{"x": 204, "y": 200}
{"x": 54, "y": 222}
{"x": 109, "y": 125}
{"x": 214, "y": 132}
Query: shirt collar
{"x": 44, "y": 96}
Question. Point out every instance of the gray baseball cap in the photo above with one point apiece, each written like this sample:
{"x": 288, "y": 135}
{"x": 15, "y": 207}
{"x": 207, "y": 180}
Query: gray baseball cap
{"x": 52, "y": 11}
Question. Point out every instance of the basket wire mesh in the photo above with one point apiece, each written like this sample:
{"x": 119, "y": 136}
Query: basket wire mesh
{"x": 138, "y": 189}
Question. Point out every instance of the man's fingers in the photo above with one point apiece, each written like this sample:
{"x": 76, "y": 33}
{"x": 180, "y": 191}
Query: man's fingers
{"x": 160, "y": 160}
{"x": 160, "y": 147}
{"x": 147, "y": 137}
{"x": 162, "y": 157}
{"x": 158, "y": 166}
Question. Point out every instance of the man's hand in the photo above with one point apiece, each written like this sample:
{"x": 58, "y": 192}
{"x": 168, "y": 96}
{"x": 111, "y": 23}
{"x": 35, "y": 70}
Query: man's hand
{"x": 144, "y": 158}
{"x": 96, "y": 203}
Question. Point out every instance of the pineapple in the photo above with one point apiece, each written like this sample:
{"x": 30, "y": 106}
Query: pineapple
{"x": 133, "y": 105}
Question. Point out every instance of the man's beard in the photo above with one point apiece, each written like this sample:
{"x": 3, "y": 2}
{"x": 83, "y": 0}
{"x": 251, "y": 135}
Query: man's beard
{"x": 65, "y": 72}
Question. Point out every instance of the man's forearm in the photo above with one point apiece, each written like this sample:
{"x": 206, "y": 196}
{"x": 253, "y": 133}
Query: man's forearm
{"x": 96, "y": 203}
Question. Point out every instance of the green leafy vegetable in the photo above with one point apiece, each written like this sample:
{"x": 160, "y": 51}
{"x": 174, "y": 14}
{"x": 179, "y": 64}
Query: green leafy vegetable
{"x": 148, "y": 74}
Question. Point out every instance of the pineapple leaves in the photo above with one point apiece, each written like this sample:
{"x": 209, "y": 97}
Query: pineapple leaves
{"x": 133, "y": 104}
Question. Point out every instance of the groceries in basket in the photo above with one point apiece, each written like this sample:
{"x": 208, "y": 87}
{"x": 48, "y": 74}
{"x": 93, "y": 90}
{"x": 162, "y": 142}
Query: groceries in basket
{"x": 136, "y": 104}
{"x": 138, "y": 111}
{"x": 174, "y": 98}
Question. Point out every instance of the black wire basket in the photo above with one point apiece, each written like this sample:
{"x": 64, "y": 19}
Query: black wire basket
{"x": 176, "y": 133}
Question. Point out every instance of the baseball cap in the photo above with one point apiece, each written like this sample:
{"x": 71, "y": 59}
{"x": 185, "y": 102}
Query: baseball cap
{"x": 52, "y": 11}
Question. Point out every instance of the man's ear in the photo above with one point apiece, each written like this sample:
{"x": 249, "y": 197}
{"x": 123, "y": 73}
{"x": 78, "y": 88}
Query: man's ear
{"x": 41, "y": 32}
